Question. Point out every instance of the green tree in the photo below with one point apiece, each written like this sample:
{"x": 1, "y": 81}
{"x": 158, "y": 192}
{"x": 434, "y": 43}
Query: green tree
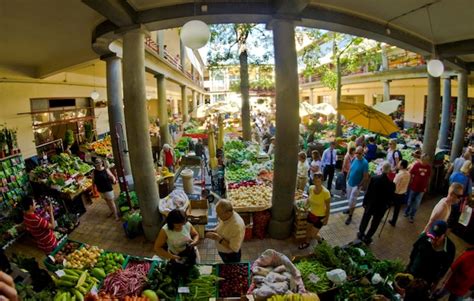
{"x": 348, "y": 54}
{"x": 242, "y": 43}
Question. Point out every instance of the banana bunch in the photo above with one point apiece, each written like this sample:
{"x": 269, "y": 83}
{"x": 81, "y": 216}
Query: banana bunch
{"x": 295, "y": 297}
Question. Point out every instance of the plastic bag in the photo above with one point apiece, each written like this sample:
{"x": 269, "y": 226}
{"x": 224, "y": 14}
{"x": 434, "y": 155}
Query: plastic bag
{"x": 337, "y": 276}
{"x": 177, "y": 199}
{"x": 263, "y": 292}
{"x": 275, "y": 277}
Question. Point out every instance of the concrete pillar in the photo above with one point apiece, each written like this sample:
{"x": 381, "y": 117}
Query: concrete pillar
{"x": 182, "y": 54}
{"x": 163, "y": 110}
{"x": 184, "y": 104}
{"x": 195, "y": 100}
{"x": 287, "y": 124}
{"x": 116, "y": 115}
{"x": 386, "y": 90}
{"x": 311, "y": 96}
{"x": 160, "y": 40}
{"x": 445, "y": 115}
{"x": 432, "y": 116}
{"x": 461, "y": 115}
{"x": 136, "y": 116}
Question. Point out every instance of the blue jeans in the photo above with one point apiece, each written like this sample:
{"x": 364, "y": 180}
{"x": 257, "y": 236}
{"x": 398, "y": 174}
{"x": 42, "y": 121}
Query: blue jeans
{"x": 414, "y": 200}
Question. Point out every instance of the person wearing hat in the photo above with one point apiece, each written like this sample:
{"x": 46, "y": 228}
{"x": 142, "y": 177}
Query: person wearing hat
{"x": 374, "y": 205}
{"x": 103, "y": 179}
{"x": 432, "y": 254}
{"x": 442, "y": 210}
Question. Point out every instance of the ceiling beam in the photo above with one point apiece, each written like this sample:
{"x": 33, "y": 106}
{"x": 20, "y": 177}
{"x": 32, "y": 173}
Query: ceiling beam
{"x": 290, "y": 7}
{"x": 119, "y": 12}
{"x": 456, "y": 48}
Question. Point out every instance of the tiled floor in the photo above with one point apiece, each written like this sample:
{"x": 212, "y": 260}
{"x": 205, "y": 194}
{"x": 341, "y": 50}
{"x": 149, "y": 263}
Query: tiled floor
{"x": 396, "y": 242}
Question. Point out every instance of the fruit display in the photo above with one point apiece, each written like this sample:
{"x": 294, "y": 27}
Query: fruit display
{"x": 101, "y": 147}
{"x": 235, "y": 282}
{"x": 85, "y": 257}
{"x": 294, "y": 297}
{"x": 250, "y": 196}
{"x": 110, "y": 262}
{"x": 73, "y": 284}
{"x": 65, "y": 251}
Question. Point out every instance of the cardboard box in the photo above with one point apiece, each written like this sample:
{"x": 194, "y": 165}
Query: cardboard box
{"x": 198, "y": 212}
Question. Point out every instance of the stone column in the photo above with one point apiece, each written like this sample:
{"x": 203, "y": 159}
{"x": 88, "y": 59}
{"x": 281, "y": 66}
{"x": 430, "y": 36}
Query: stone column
{"x": 432, "y": 116}
{"x": 311, "y": 96}
{"x": 182, "y": 55}
{"x": 445, "y": 114}
{"x": 461, "y": 115}
{"x": 116, "y": 115}
{"x": 136, "y": 116}
{"x": 184, "y": 104}
{"x": 386, "y": 90}
{"x": 160, "y": 40}
{"x": 163, "y": 110}
{"x": 287, "y": 124}
{"x": 195, "y": 100}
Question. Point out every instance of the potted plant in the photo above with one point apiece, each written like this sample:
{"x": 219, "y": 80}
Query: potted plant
{"x": 69, "y": 139}
{"x": 89, "y": 134}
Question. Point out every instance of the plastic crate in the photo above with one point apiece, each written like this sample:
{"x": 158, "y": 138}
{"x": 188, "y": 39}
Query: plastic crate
{"x": 48, "y": 262}
{"x": 244, "y": 291}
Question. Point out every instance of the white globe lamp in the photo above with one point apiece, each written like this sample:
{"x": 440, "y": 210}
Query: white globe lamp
{"x": 435, "y": 68}
{"x": 95, "y": 95}
{"x": 195, "y": 34}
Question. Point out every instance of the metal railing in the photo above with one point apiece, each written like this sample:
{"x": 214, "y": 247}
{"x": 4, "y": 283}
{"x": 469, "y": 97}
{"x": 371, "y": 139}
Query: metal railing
{"x": 175, "y": 61}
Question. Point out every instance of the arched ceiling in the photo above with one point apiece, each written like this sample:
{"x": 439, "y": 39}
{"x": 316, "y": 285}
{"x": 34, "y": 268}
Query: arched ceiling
{"x": 48, "y": 36}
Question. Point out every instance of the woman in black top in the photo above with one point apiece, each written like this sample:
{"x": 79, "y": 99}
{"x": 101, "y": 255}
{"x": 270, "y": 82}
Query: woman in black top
{"x": 103, "y": 180}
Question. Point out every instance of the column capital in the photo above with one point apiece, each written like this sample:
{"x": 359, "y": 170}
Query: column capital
{"x": 159, "y": 76}
{"x": 135, "y": 28}
{"x": 109, "y": 56}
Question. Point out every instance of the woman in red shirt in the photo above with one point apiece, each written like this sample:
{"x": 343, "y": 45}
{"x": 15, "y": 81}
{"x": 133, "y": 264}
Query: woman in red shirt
{"x": 40, "y": 228}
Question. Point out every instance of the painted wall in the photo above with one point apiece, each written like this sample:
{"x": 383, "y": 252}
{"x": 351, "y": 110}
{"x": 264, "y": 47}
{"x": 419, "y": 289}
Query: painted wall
{"x": 414, "y": 90}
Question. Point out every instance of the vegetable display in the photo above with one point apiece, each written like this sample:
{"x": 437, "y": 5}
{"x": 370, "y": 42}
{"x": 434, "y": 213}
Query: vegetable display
{"x": 162, "y": 282}
{"x": 235, "y": 280}
{"x": 128, "y": 282}
{"x": 314, "y": 276}
{"x": 294, "y": 297}
{"x": 250, "y": 196}
{"x": 202, "y": 288}
{"x": 74, "y": 284}
{"x": 67, "y": 249}
{"x": 110, "y": 262}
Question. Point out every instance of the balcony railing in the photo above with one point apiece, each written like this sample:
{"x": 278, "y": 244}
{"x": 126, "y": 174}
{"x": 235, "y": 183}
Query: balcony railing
{"x": 397, "y": 61}
{"x": 175, "y": 61}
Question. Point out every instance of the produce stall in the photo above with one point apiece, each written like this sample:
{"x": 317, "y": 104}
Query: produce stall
{"x": 98, "y": 149}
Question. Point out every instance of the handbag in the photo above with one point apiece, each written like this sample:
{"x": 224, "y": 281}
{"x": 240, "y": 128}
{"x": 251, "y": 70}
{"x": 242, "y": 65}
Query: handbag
{"x": 465, "y": 216}
{"x": 340, "y": 181}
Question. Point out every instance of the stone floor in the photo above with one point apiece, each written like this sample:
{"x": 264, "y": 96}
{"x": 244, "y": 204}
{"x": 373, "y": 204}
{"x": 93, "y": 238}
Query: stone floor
{"x": 107, "y": 233}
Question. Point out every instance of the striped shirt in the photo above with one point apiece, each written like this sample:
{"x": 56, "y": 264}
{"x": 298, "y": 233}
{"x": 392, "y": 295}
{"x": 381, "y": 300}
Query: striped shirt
{"x": 39, "y": 229}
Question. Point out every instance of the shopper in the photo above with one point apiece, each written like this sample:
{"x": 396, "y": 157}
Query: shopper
{"x": 199, "y": 149}
{"x": 329, "y": 163}
{"x": 271, "y": 147}
{"x": 315, "y": 165}
{"x": 346, "y": 165}
{"x": 180, "y": 237}
{"x": 462, "y": 177}
{"x": 356, "y": 179}
{"x": 303, "y": 168}
{"x": 442, "y": 210}
{"x": 352, "y": 142}
{"x": 461, "y": 275}
{"x": 40, "y": 228}
{"x": 318, "y": 202}
{"x": 371, "y": 150}
{"x": 360, "y": 141}
{"x": 432, "y": 254}
{"x": 7, "y": 288}
{"x": 103, "y": 180}
{"x": 402, "y": 180}
{"x": 229, "y": 233}
{"x": 167, "y": 157}
{"x": 458, "y": 163}
{"x": 393, "y": 154}
{"x": 375, "y": 205}
{"x": 420, "y": 176}
{"x": 155, "y": 146}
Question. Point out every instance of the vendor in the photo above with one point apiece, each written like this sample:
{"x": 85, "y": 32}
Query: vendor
{"x": 40, "y": 228}
{"x": 180, "y": 237}
{"x": 229, "y": 233}
{"x": 167, "y": 158}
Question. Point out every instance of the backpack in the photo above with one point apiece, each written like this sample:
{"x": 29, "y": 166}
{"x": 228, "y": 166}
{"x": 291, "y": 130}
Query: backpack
{"x": 400, "y": 157}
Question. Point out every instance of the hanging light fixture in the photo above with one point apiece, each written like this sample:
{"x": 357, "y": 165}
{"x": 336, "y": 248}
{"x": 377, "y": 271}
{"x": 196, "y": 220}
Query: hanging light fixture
{"x": 94, "y": 94}
{"x": 435, "y": 67}
{"x": 195, "y": 34}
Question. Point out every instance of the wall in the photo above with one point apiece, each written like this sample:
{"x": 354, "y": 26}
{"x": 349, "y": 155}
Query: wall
{"x": 414, "y": 90}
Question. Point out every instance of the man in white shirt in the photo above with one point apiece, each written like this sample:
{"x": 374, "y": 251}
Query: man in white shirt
{"x": 329, "y": 163}
{"x": 402, "y": 180}
{"x": 393, "y": 155}
{"x": 442, "y": 210}
{"x": 229, "y": 233}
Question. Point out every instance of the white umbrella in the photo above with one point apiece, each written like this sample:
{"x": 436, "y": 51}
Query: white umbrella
{"x": 387, "y": 107}
{"x": 201, "y": 111}
{"x": 324, "y": 108}
{"x": 305, "y": 109}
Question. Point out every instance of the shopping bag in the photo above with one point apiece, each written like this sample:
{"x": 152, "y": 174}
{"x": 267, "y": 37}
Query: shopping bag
{"x": 340, "y": 181}
{"x": 465, "y": 216}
